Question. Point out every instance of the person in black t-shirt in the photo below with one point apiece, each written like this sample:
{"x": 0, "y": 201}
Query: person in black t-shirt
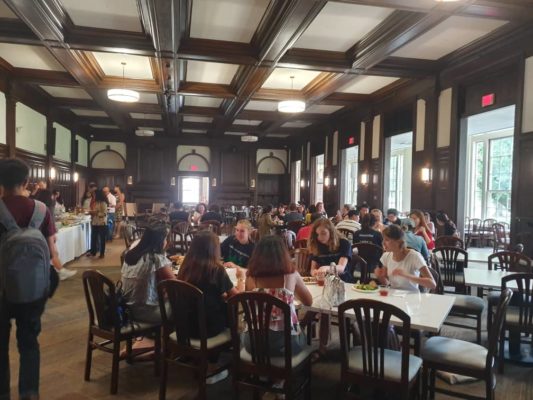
{"x": 392, "y": 217}
{"x": 327, "y": 246}
{"x": 367, "y": 234}
{"x": 237, "y": 249}
{"x": 178, "y": 214}
{"x": 449, "y": 227}
{"x": 212, "y": 215}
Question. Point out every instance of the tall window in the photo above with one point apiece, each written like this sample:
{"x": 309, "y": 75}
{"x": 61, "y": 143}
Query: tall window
{"x": 398, "y": 166}
{"x": 350, "y": 159}
{"x": 318, "y": 177}
{"x": 396, "y": 182}
{"x": 296, "y": 178}
{"x": 491, "y": 166}
{"x": 194, "y": 190}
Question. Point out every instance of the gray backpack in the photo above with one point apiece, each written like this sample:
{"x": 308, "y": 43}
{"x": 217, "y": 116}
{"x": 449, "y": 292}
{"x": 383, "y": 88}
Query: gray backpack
{"x": 24, "y": 258}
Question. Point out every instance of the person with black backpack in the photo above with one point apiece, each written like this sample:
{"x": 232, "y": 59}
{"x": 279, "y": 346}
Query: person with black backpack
{"x": 27, "y": 243}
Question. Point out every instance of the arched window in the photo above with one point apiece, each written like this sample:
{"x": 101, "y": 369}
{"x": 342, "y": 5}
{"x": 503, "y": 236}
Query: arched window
{"x": 108, "y": 159}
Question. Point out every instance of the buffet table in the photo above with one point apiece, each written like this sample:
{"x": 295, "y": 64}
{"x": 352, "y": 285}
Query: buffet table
{"x": 73, "y": 241}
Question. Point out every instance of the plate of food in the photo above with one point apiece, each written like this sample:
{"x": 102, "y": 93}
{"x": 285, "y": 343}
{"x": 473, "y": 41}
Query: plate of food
{"x": 370, "y": 287}
{"x": 309, "y": 280}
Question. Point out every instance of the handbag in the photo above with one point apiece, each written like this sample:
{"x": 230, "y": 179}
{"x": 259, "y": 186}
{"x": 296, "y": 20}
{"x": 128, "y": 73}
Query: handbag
{"x": 333, "y": 288}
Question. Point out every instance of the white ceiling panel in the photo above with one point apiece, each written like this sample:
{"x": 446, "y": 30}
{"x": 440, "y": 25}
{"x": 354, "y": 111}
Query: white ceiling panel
{"x": 197, "y": 101}
{"x": 322, "y": 109}
{"x": 367, "y": 84}
{"x": 121, "y": 15}
{"x": 280, "y": 78}
{"x": 197, "y": 118}
{"x": 5, "y": 11}
{"x": 231, "y": 20}
{"x": 137, "y": 67}
{"x": 24, "y": 56}
{"x": 295, "y": 124}
{"x": 197, "y": 131}
{"x": 88, "y": 113}
{"x": 102, "y": 126}
{"x": 73, "y": 93}
{"x": 208, "y": 72}
{"x": 145, "y": 116}
{"x": 251, "y": 122}
{"x": 149, "y": 98}
{"x": 152, "y": 128}
{"x": 277, "y": 135}
{"x": 235, "y": 133}
{"x": 451, "y": 34}
{"x": 339, "y": 26}
{"x": 261, "y": 105}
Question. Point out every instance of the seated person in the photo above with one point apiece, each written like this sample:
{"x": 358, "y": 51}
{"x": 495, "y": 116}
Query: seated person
{"x": 145, "y": 265}
{"x": 305, "y": 231}
{"x": 379, "y": 225}
{"x": 310, "y": 211}
{"x": 403, "y": 268}
{"x": 413, "y": 241}
{"x": 212, "y": 215}
{"x": 178, "y": 214}
{"x": 237, "y": 249}
{"x": 449, "y": 227}
{"x": 422, "y": 229}
{"x": 270, "y": 270}
{"x": 293, "y": 214}
{"x": 327, "y": 246}
{"x": 351, "y": 222}
{"x": 392, "y": 217}
{"x": 265, "y": 222}
{"x": 199, "y": 211}
{"x": 367, "y": 234}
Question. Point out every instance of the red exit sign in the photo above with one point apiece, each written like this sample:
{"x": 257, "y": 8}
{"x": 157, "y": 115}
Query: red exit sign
{"x": 487, "y": 100}
{"x": 351, "y": 140}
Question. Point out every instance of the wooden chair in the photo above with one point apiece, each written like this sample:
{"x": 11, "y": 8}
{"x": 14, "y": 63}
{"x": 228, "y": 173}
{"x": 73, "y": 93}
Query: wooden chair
{"x": 501, "y": 239}
{"x": 487, "y": 234}
{"x": 371, "y": 364}
{"x": 473, "y": 231}
{"x": 464, "y": 358}
{"x": 302, "y": 260}
{"x": 295, "y": 226}
{"x": 300, "y": 244}
{"x": 258, "y": 369}
{"x": 254, "y": 235}
{"x": 185, "y": 309}
{"x": 348, "y": 234}
{"x": 213, "y": 226}
{"x": 449, "y": 262}
{"x": 519, "y": 317}
{"x": 359, "y": 269}
{"x": 104, "y": 322}
{"x": 449, "y": 241}
{"x": 371, "y": 253}
{"x": 179, "y": 235}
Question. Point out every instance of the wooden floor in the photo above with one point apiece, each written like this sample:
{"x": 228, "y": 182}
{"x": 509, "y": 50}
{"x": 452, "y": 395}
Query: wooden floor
{"x": 63, "y": 342}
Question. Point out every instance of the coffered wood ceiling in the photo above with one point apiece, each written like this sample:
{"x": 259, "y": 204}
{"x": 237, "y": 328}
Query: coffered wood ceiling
{"x": 219, "y": 67}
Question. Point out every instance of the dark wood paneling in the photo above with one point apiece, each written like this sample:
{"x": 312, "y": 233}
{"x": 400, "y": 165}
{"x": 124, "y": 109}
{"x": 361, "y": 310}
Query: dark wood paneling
{"x": 270, "y": 189}
{"x": 233, "y": 169}
{"x": 151, "y": 166}
{"x": 523, "y": 193}
{"x": 4, "y": 151}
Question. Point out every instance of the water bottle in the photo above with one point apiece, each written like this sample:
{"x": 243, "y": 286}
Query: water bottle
{"x": 333, "y": 268}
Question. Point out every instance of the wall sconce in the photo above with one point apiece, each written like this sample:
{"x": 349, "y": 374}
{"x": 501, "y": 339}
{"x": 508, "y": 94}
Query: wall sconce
{"x": 426, "y": 175}
{"x": 130, "y": 180}
{"x": 173, "y": 181}
{"x": 302, "y": 183}
{"x": 214, "y": 182}
{"x": 76, "y": 177}
{"x": 334, "y": 181}
{"x": 326, "y": 181}
{"x": 308, "y": 184}
{"x": 375, "y": 179}
{"x": 364, "y": 178}
{"x": 52, "y": 173}
{"x": 252, "y": 183}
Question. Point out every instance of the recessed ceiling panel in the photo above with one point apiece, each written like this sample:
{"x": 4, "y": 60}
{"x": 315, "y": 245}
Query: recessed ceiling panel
{"x": 73, "y": 93}
{"x": 145, "y": 116}
{"x": 208, "y": 72}
{"x": 196, "y": 131}
{"x": 151, "y": 128}
{"x": 102, "y": 126}
{"x": 251, "y": 122}
{"x": 277, "y": 135}
{"x": 261, "y": 105}
{"x": 451, "y": 34}
{"x": 24, "y": 56}
{"x": 235, "y": 133}
{"x": 197, "y": 101}
{"x": 137, "y": 67}
{"x": 322, "y": 109}
{"x": 367, "y": 84}
{"x": 120, "y": 15}
{"x": 295, "y": 124}
{"x": 5, "y": 11}
{"x": 231, "y": 20}
{"x": 148, "y": 98}
{"x": 280, "y": 78}
{"x": 88, "y": 113}
{"x": 197, "y": 118}
{"x": 339, "y": 26}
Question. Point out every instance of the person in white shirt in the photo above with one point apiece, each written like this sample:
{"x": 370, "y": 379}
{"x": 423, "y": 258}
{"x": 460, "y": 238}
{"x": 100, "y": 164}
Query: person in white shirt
{"x": 350, "y": 223}
{"x": 111, "y": 206}
{"x": 403, "y": 268}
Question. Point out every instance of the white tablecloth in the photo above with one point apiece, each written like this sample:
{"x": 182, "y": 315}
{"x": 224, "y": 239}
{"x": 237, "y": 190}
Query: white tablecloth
{"x": 73, "y": 241}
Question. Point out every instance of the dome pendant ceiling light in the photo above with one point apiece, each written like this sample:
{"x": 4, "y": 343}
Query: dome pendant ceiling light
{"x": 124, "y": 95}
{"x": 249, "y": 138}
{"x": 291, "y": 106}
{"x": 144, "y": 132}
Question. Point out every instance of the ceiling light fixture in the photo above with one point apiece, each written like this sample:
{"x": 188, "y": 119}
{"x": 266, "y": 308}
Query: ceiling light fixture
{"x": 124, "y": 95}
{"x": 291, "y": 106}
{"x": 249, "y": 138}
{"x": 143, "y": 132}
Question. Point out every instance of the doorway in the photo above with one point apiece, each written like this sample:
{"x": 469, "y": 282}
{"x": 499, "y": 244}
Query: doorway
{"x": 398, "y": 169}
{"x": 194, "y": 190}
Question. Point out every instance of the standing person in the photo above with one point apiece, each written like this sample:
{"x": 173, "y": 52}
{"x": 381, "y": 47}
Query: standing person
{"x": 111, "y": 208}
{"x": 119, "y": 209}
{"x": 99, "y": 224}
{"x": 86, "y": 201}
{"x": 449, "y": 227}
{"x": 237, "y": 249}
{"x": 421, "y": 228}
{"x": 265, "y": 223}
{"x": 403, "y": 268}
{"x": 14, "y": 180}
{"x": 93, "y": 187}
{"x": 59, "y": 205}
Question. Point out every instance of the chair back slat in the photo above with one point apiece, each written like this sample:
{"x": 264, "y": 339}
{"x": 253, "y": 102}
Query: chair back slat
{"x": 371, "y": 253}
{"x": 101, "y": 300}
{"x": 496, "y": 330}
{"x": 510, "y": 261}
{"x": 373, "y": 321}
{"x": 522, "y": 299}
{"x": 257, "y": 309}
{"x": 213, "y": 226}
{"x": 348, "y": 234}
{"x": 449, "y": 260}
{"x": 300, "y": 244}
{"x": 187, "y": 308}
{"x": 302, "y": 260}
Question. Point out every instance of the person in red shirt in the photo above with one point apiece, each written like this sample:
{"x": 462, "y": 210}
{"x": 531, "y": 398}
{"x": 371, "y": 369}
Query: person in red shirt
{"x": 14, "y": 176}
{"x": 305, "y": 231}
